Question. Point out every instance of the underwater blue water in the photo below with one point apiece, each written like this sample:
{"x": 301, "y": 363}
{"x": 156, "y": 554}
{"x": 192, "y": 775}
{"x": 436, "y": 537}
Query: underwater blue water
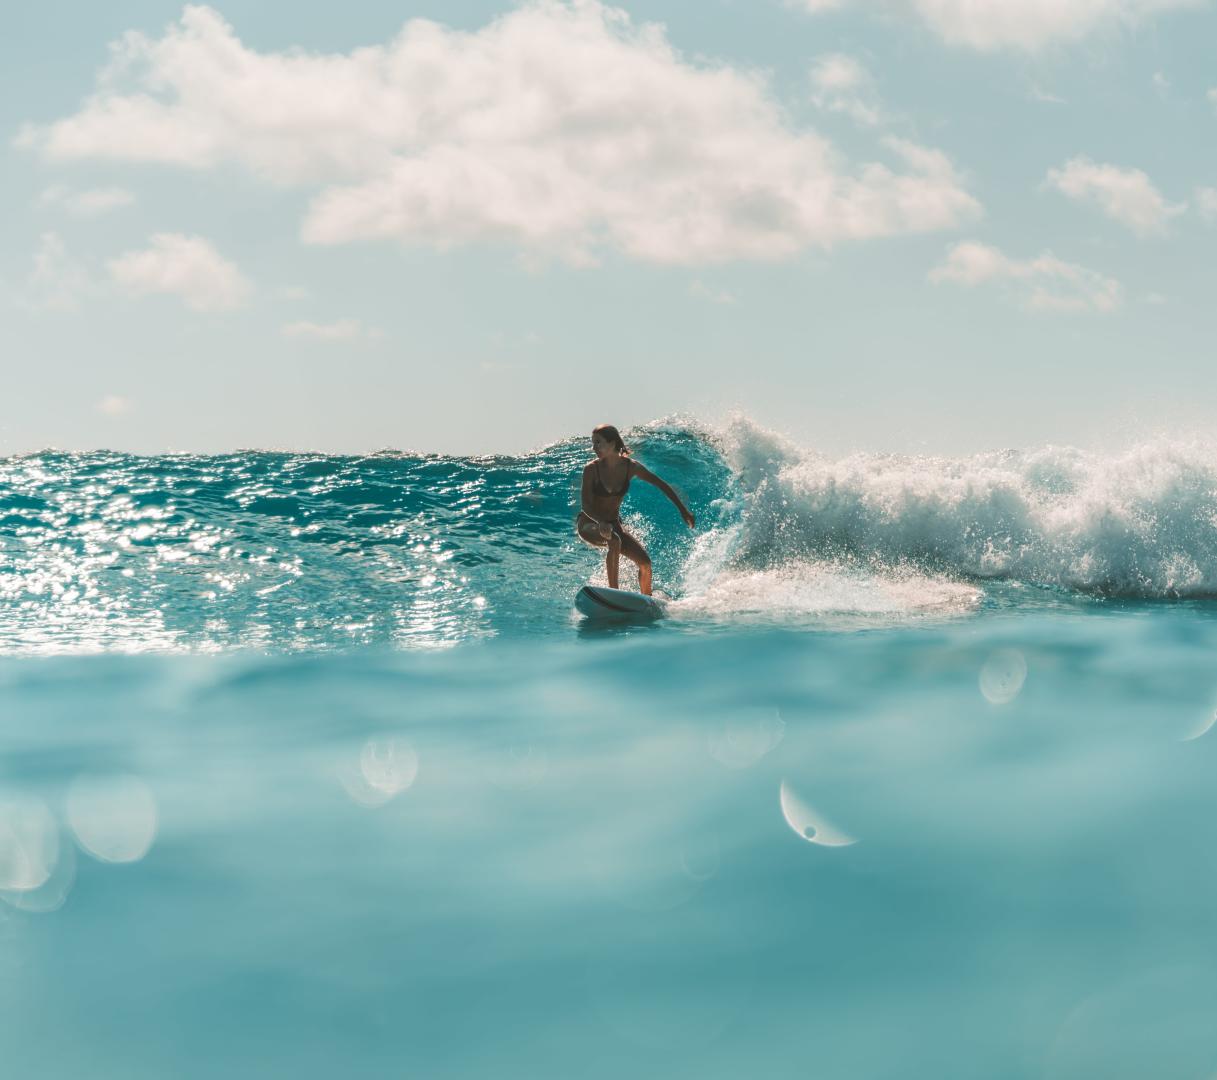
{"x": 308, "y": 769}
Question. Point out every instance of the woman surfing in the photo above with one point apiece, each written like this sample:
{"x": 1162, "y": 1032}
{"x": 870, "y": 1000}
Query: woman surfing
{"x": 606, "y": 479}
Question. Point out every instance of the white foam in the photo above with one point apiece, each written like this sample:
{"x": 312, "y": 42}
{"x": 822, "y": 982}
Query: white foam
{"x": 1138, "y": 523}
{"x": 807, "y": 588}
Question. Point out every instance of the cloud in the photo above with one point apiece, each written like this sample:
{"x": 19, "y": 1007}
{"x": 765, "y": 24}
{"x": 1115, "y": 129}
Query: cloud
{"x": 57, "y": 281}
{"x": 816, "y": 7}
{"x": 841, "y": 84}
{"x": 341, "y": 330}
{"x": 86, "y": 203}
{"x": 564, "y": 129}
{"x": 184, "y": 266}
{"x": 114, "y": 405}
{"x": 1045, "y": 97}
{"x": 1044, "y": 283}
{"x": 1206, "y": 203}
{"x": 699, "y": 290}
{"x": 1029, "y": 25}
{"x": 1124, "y": 195}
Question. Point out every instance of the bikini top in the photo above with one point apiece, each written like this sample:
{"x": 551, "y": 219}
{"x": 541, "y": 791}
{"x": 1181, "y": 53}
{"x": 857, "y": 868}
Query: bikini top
{"x": 600, "y": 491}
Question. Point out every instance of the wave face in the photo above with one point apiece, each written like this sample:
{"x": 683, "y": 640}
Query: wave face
{"x": 280, "y": 551}
{"x": 276, "y": 550}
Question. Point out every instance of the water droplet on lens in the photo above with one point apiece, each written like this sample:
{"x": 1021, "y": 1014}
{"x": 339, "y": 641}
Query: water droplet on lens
{"x": 743, "y": 740}
{"x": 114, "y": 817}
{"x": 386, "y": 766}
{"x": 1201, "y": 728}
{"x": 52, "y": 893}
{"x": 1003, "y": 675}
{"x": 29, "y": 844}
{"x": 700, "y": 858}
{"x": 516, "y": 767}
{"x": 808, "y": 823}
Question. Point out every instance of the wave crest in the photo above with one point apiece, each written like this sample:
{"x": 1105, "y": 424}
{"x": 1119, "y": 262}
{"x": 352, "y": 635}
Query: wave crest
{"x": 1140, "y": 523}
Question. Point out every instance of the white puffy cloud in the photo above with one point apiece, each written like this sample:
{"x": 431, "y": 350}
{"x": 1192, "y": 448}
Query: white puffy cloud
{"x": 1044, "y": 283}
{"x": 1021, "y": 24}
{"x": 92, "y": 203}
{"x": 562, "y": 128}
{"x": 1124, "y": 195}
{"x": 840, "y": 83}
{"x": 184, "y": 266}
{"x": 339, "y": 330}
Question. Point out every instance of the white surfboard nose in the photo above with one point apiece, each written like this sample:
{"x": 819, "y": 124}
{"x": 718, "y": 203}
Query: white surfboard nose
{"x": 597, "y": 602}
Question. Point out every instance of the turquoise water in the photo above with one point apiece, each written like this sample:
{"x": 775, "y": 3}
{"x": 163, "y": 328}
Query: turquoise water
{"x": 307, "y": 768}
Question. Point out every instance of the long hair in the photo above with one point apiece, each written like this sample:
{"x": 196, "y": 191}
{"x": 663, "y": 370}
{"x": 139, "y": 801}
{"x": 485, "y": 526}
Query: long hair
{"x": 607, "y": 431}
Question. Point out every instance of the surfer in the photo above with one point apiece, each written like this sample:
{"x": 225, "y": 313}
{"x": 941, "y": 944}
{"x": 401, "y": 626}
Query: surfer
{"x": 605, "y": 482}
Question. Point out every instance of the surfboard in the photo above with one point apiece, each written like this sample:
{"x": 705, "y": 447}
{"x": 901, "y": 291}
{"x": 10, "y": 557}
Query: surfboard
{"x": 598, "y": 602}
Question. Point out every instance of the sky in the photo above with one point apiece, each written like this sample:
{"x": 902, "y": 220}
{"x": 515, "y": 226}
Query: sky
{"x": 932, "y": 226}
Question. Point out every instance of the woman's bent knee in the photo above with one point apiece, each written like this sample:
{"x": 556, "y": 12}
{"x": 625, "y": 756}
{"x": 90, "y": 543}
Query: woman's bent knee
{"x": 638, "y": 556}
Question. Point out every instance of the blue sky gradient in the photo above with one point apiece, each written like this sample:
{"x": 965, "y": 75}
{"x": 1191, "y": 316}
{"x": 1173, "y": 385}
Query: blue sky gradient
{"x": 1078, "y": 161}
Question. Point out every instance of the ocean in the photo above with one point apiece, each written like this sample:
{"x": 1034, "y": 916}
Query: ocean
{"x": 308, "y": 768}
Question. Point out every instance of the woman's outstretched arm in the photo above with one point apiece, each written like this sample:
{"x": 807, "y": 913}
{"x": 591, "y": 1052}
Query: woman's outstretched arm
{"x": 643, "y": 473}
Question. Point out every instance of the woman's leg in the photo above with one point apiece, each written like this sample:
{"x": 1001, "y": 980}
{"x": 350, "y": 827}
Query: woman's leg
{"x": 612, "y": 561}
{"x": 589, "y": 531}
{"x": 637, "y": 554}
